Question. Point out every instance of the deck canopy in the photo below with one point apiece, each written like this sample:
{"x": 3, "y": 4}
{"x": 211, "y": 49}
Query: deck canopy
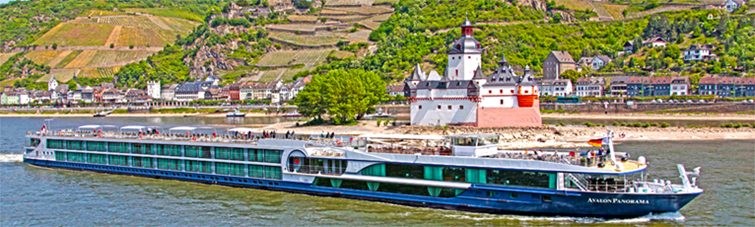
{"x": 133, "y": 127}
{"x": 182, "y": 129}
{"x": 89, "y": 127}
{"x": 407, "y": 137}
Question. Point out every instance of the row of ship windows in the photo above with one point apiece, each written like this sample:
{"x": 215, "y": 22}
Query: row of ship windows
{"x": 469, "y": 175}
{"x": 231, "y": 169}
{"x": 450, "y": 107}
{"x": 168, "y": 173}
{"x": 224, "y": 153}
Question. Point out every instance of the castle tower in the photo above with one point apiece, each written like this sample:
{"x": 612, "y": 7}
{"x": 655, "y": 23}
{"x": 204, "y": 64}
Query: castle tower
{"x": 153, "y": 89}
{"x": 465, "y": 54}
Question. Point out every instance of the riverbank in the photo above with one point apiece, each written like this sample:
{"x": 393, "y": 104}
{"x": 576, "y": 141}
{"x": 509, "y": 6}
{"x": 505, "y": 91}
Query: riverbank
{"x": 569, "y": 136}
{"x": 223, "y": 114}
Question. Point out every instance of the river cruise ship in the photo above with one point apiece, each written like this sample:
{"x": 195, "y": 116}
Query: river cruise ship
{"x": 462, "y": 172}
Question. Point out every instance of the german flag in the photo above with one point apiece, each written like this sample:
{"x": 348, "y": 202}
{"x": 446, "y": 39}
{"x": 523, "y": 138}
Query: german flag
{"x": 596, "y": 142}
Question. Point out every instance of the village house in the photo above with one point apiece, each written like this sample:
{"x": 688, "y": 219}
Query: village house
{"x": 168, "y": 91}
{"x": 618, "y": 86}
{"x": 629, "y": 47}
{"x": 191, "y": 91}
{"x": 733, "y": 5}
{"x": 654, "y": 42}
{"x": 698, "y": 52}
{"x": 560, "y": 87}
{"x": 556, "y": 63}
{"x": 727, "y": 86}
{"x": 590, "y": 86}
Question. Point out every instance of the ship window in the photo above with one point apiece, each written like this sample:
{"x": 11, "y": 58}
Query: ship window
{"x": 512, "y": 91}
{"x": 490, "y": 91}
{"x": 461, "y": 107}
{"x": 420, "y": 107}
{"x": 501, "y": 91}
{"x": 438, "y": 106}
{"x": 514, "y": 195}
{"x": 501, "y": 101}
{"x": 449, "y": 107}
{"x": 469, "y": 57}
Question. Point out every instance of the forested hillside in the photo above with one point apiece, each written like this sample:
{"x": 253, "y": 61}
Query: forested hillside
{"x": 409, "y": 37}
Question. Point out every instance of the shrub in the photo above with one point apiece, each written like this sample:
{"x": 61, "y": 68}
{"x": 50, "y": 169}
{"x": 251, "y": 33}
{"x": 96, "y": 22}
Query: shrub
{"x": 646, "y": 124}
{"x": 378, "y": 122}
{"x": 545, "y": 123}
{"x": 561, "y": 124}
{"x": 654, "y": 124}
{"x": 665, "y": 125}
{"x": 738, "y": 125}
{"x": 729, "y": 125}
{"x": 624, "y": 124}
{"x": 445, "y": 128}
{"x": 637, "y": 124}
{"x": 746, "y": 125}
{"x": 130, "y": 46}
{"x": 589, "y": 124}
{"x": 54, "y": 46}
{"x": 386, "y": 122}
{"x": 616, "y": 123}
{"x": 394, "y": 123}
{"x": 297, "y": 124}
{"x": 112, "y": 45}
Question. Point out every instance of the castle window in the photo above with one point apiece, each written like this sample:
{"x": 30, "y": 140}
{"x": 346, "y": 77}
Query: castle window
{"x": 501, "y": 101}
{"x": 501, "y": 91}
{"x": 461, "y": 107}
{"x": 490, "y": 91}
{"x": 457, "y": 72}
{"x": 449, "y": 107}
{"x": 469, "y": 57}
{"x": 458, "y": 46}
{"x": 438, "y": 106}
{"x": 478, "y": 46}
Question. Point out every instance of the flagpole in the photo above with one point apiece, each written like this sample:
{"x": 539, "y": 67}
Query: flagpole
{"x": 609, "y": 137}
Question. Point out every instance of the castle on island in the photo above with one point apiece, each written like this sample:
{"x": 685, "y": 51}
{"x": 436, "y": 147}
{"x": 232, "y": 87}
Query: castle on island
{"x": 463, "y": 95}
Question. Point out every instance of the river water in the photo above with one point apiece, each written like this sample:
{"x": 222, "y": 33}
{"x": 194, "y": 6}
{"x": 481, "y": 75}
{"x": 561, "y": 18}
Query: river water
{"x": 33, "y": 196}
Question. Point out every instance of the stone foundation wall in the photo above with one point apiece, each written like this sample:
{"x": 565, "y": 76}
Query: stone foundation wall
{"x": 729, "y": 107}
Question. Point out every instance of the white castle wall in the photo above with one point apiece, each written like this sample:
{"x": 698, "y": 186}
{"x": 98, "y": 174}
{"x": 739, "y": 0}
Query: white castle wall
{"x": 466, "y": 64}
{"x": 437, "y": 112}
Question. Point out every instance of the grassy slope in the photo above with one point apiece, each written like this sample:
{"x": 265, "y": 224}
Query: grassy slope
{"x": 4, "y": 57}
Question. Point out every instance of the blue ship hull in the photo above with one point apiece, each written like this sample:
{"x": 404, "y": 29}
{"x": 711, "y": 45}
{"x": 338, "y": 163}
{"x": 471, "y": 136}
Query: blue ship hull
{"x": 479, "y": 198}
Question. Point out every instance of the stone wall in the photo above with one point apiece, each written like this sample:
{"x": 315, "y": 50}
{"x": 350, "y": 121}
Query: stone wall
{"x": 729, "y": 107}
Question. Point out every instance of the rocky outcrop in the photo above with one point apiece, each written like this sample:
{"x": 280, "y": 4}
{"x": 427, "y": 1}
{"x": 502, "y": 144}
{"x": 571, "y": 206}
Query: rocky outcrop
{"x": 536, "y": 4}
{"x": 210, "y": 60}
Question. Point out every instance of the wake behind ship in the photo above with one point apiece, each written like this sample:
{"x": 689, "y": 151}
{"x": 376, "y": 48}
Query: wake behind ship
{"x": 465, "y": 172}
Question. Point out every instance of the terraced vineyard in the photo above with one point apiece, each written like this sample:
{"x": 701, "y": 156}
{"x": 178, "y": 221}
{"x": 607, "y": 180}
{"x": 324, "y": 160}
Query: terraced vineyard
{"x": 145, "y": 22}
{"x": 97, "y": 13}
{"x": 68, "y": 34}
{"x": 322, "y": 38}
{"x": 63, "y": 76}
{"x": 374, "y": 22}
{"x": 306, "y": 57}
{"x": 364, "y": 10}
{"x": 98, "y": 72}
{"x": 168, "y": 12}
{"x": 348, "y": 2}
{"x": 4, "y": 57}
{"x": 615, "y": 10}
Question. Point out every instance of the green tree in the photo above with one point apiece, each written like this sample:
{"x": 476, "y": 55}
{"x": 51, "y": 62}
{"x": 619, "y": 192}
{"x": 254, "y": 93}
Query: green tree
{"x": 672, "y": 51}
{"x": 344, "y": 94}
{"x": 571, "y": 75}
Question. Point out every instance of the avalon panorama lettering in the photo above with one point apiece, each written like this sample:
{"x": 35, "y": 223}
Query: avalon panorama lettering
{"x": 619, "y": 201}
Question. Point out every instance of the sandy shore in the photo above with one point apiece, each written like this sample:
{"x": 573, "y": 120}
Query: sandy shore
{"x": 535, "y": 137}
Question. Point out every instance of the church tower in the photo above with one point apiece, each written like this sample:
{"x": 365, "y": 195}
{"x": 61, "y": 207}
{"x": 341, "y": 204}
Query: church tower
{"x": 465, "y": 54}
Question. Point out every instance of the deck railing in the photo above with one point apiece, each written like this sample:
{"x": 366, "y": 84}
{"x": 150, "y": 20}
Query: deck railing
{"x": 196, "y": 137}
